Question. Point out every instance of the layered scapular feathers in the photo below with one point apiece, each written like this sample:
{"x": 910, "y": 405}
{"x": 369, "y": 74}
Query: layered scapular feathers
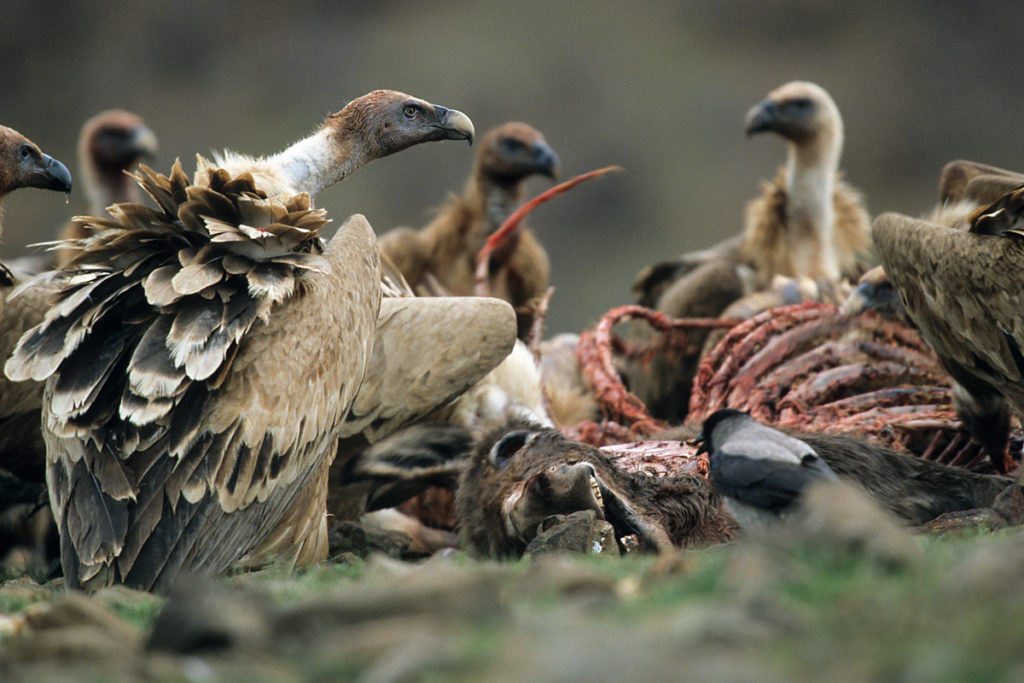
{"x": 444, "y": 252}
{"x": 200, "y": 360}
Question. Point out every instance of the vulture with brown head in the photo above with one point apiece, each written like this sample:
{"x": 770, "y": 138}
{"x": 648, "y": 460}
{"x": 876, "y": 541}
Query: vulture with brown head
{"x": 960, "y": 288}
{"x": 807, "y": 223}
{"x": 110, "y": 146}
{"x": 203, "y": 355}
{"x": 22, "y": 164}
{"x": 444, "y": 252}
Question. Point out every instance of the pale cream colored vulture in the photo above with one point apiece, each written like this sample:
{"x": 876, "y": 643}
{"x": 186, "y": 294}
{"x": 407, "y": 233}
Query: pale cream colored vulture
{"x": 962, "y": 288}
{"x": 445, "y": 250}
{"x": 110, "y": 145}
{"x": 203, "y": 356}
{"x": 22, "y": 164}
{"x": 807, "y": 223}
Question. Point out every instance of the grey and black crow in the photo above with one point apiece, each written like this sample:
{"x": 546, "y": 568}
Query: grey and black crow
{"x": 759, "y": 471}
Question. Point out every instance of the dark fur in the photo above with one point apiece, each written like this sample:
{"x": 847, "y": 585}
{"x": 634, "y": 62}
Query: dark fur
{"x": 685, "y": 508}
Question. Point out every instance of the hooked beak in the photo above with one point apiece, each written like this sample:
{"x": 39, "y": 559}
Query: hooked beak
{"x": 53, "y": 175}
{"x": 546, "y": 160}
{"x": 454, "y": 123}
{"x": 143, "y": 142}
{"x": 761, "y": 117}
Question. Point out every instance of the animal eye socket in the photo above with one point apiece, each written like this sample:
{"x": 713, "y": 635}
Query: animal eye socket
{"x": 25, "y": 151}
{"x": 800, "y": 104}
{"x": 507, "y": 447}
{"x": 411, "y": 111}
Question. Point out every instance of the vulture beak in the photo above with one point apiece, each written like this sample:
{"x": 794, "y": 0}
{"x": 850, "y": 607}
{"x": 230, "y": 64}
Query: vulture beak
{"x": 545, "y": 159}
{"x": 143, "y": 142}
{"x": 454, "y": 123}
{"x": 761, "y": 117}
{"x": 52, "y": 175}
{"x": 874, "y": 292}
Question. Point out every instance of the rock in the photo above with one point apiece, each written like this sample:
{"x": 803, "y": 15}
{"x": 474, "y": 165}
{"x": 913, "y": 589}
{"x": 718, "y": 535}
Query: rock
{"x": 205, "y": 615}
{"x": 362, "y": 540}
{"x": 579, "y": 532}
{"x": 843, "y": 518}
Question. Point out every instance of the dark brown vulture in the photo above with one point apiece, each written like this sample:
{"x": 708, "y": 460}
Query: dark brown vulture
{"x": 110, "y": 145}
{"x": 202, "y": 357}
{"x": 960, "y": 287}
{"x": 445, "y": 250}
{"x": 807, "y": 223}
{"x": 21, "y": 165}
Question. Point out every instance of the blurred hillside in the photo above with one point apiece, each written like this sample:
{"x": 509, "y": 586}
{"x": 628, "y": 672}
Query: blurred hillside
{"x": 658, "y": 87}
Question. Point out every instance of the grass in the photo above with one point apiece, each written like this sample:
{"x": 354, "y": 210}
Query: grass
{"x": 799, "y": 611}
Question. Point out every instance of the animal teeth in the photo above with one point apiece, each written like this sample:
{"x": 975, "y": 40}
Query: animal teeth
{"x": 596, "y": 489}
{"x": 630, "y": 543}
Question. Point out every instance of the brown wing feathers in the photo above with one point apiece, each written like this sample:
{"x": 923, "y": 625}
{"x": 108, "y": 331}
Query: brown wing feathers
{"x": 142, "y": 338}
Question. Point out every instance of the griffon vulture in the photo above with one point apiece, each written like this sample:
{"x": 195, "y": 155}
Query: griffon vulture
{"x": 960, "y": 287}
{"x": 445, "y": 250}
{"x": 202, "y": 357}
{"x": 22, "y": 164}
{"x": 807, "y": 223}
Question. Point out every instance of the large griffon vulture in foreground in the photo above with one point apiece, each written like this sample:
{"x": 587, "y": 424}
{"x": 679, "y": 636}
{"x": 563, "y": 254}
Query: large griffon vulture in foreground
{"x": 202, "y": 357}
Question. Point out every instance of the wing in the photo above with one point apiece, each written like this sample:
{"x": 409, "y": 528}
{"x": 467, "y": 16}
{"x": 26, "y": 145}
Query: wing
{"x": 171, "y": 348}
{"x": 427, "y": 351}
{"x": 963, "y": 291}
{"x": 762, "y": 483}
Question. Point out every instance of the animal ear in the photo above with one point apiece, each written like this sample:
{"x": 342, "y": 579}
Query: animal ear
{"x": 507, "y": 447}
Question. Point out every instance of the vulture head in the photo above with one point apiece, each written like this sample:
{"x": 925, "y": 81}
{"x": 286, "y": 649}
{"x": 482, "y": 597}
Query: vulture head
{"x": 804, "y": 114}
{"x": 22, "y": 164}
{"x": 390, "y": 121}
{"x": 111, "y": 143}
{"x": 512, "y": 152}
{"x": 875, "y": 292}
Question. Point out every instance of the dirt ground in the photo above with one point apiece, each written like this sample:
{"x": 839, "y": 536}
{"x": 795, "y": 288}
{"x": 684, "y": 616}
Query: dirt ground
{"x": 801, "y": 604}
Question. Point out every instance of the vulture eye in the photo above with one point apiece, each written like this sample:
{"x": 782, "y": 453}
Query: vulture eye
{"x": 511, "y": 146}
{"x": 800, "y": 105}
{"x": 507, "y": 447}
{"x": 25, "y": 151}
{"x": 411, "y": 111}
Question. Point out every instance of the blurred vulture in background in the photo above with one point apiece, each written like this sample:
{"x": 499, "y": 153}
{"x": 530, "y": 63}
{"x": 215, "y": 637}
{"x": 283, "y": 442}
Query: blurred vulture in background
{"x": 22, "y": 164}
{"x": 961, "y": 289}
{"x": 807, "y": 223}
{"x": 444, "y": 252}
{"x": 110, "y": 146}
{"x": 203, "y": 355}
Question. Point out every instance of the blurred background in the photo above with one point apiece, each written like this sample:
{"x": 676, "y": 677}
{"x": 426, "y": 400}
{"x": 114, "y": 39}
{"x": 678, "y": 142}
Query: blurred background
{"x": 657, "y": 87}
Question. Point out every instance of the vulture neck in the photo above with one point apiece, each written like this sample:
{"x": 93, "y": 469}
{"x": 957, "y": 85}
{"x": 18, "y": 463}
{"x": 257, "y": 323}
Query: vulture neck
{"x": 321, "y": 160}
{"x": 811, "y": 170}
{"x": 104, "y": 187}
{"x": 496, "y": 199}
